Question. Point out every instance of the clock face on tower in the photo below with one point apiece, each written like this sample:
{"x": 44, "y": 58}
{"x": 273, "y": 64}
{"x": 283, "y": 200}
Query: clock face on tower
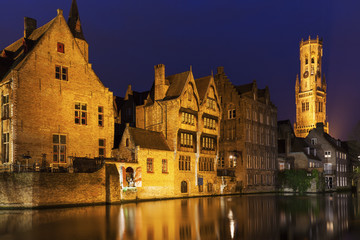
{"x": 306, "y": 74}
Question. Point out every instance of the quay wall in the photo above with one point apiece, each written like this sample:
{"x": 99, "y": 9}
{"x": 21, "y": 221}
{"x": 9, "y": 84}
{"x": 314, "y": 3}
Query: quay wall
{"x": 37, "y": 189}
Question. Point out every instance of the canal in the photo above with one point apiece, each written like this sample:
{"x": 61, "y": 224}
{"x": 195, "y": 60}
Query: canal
{"x": 325, "y": 216}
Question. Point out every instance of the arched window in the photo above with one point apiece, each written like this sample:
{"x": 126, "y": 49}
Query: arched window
{"x": 209, "y": 187}
{"x": 312, "y": 60}
{"x": 306, "y": 61}
{"x": 184, "y": 187}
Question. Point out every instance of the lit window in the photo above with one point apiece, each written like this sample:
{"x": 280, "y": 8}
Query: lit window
{"x": 184, "y": 163}
{"x": 101, "y": 116}
{"x": 209, "y": 123}
{"x": 61, "y": 73}
{"x": 59, "y": 148}
{"x": 164, "y": 166}
{"x": 231, "y": 114}
{"x": 149, "y": 165}
{"x": 210, "y": 103}
{"x": 5, "y": 147}
{"x": 187, "y": 118}
{"x": 60, "y": 47}
{"x": 186, "y": 140}
{"x": 327, "y": 154}
{"x": 5, "y": 107}
{"x": 208, "y": 143}
{"x": 81, "y": 113}
{"x": 101, "y": 147}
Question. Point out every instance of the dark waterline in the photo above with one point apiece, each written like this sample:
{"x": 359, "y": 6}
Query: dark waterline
{"x": 329, "y": 216}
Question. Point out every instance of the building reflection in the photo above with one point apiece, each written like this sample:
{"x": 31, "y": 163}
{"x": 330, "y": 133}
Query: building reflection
{"x": 237, "y": 217}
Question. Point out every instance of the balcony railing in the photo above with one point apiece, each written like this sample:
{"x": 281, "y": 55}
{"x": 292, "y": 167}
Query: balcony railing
{"x": 225, "y": 172}
{"x": 329, "y": 172}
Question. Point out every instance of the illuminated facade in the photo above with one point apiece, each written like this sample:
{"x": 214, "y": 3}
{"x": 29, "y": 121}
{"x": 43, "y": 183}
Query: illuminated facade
{"x": 53, "y": 104}
{"x": 310, "y": 92}
{"x": 187, "y": 111}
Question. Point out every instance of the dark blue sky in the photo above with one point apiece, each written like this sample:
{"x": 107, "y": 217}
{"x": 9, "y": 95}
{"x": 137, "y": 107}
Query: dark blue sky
{"x": 252, "y": 39}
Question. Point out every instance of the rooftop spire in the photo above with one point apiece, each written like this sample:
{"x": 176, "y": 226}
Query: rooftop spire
{"x": 74, "y": 21}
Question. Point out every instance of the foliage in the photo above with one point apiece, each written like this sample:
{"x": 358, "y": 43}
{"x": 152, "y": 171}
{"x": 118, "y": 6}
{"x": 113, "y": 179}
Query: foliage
{"x": 298, "y": 179}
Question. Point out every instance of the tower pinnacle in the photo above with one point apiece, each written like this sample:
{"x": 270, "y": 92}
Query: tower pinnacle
{"x": 74, "y": 21}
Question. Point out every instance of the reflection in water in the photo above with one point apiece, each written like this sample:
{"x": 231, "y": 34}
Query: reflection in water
{"x": 330, "y": 216}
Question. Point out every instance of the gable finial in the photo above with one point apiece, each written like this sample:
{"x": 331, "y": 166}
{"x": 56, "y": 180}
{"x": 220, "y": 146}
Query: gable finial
{"x": 74, "y": 21}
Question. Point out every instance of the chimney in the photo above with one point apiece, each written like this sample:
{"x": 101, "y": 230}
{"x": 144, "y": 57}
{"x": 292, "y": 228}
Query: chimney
{"x": 29, "y": 26}
{"x": 160, "y": 87}
{"x": 220, "y": 70}
{"x": 320, "y": 126}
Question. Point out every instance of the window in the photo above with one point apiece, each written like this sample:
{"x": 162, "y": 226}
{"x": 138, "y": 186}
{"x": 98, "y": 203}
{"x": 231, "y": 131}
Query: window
{"x": 306, "y": 61}
{"x": 208, "y": 143}
{"x": 210, "y": 187}
{"x": 164, "y": 166}
{"x": 201, "y": 188}
{"x": 231, "y": 114}
{"x": 312, "y": 60}
{"x": 101, "y": 147}
{"x": 5, "y": 107}
{"x": 101, "y": 116}
{"x": 248, "y": 114}
{"x": 209, "y": 123}
{"x": 5, "y": 147}
{"x": 187, "y": 118}
{"x": 210, "y": 103}
{"x": 255, "y": 116}
{"x": 314, "y": 141}
{"x": 186, "y": 140}
{"x": 149, "y": 165}
{"x": 327, "y": 154}
{"x": 320, "y": 107}
{"x": 184, "y": 163}
{"x": 261, "y": 118}
{"x": 206, "y": 164}
{"x": 61, "y": 73}
{"x": 60, "y": 47}
{"x": 59, "y": 148}
{"x": 81, "y": 113}
{"x": 183, "y": 187}
{"x": 127, "y": 142}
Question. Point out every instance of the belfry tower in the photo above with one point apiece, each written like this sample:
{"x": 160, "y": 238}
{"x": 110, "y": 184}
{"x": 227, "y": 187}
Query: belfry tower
{"x": 310, "y": 92}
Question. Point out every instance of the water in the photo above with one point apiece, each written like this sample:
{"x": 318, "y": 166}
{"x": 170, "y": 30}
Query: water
{"x": 330, "y": 216}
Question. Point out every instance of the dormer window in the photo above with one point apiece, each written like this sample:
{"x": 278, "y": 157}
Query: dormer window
{"x": 60, "y": 47}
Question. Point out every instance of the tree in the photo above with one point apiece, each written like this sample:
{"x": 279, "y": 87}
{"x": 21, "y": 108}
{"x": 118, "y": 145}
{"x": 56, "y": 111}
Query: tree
{"x": 298, "y": 180}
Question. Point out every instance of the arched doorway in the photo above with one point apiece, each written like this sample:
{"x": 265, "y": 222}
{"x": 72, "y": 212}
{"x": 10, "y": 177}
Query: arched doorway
{"x": 130, "y": 176}
{"x": 184, "y": 187}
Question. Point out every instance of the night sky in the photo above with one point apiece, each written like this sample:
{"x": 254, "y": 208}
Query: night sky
{"x": 252, "y": 39}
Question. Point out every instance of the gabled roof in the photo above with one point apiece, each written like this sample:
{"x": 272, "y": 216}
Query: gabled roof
{"x": 176, "y": 84}
{"x": 241, "y": 89}
{"x": 202, "y": 85}
{"x": 17, "y": 51}
{"x": 333, "y": 142}
{"x": 148, "y": 139}
{"x": 299, "y": 145}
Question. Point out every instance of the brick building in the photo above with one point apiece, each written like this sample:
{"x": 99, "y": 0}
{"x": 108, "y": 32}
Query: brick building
{"x": 334, "y": 157}
{"x": 248, "y": 136}
{"x": 188, "y": 113}
{"x": 53, "y": 105}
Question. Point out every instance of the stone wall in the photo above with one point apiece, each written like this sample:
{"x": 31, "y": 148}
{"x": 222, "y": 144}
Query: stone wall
{"x": 23, "y": 190}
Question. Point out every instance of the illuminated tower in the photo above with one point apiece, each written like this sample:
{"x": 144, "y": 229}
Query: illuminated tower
{"x": 310, "y": 92}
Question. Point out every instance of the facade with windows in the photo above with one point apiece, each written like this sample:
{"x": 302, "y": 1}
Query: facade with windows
{"x": 310, "y": 89}
{"x": 145, "y": 164}
{"x": 334, "y": 156}
{"x": 248, "y": 136}
{"x": 53, "y": 106}
{"x": 187, "y": 112}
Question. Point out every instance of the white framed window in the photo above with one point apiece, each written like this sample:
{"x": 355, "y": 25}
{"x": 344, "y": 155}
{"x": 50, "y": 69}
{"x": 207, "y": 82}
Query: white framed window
{"x": 327, "y": 154}
{"x": 314, "y": 141}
